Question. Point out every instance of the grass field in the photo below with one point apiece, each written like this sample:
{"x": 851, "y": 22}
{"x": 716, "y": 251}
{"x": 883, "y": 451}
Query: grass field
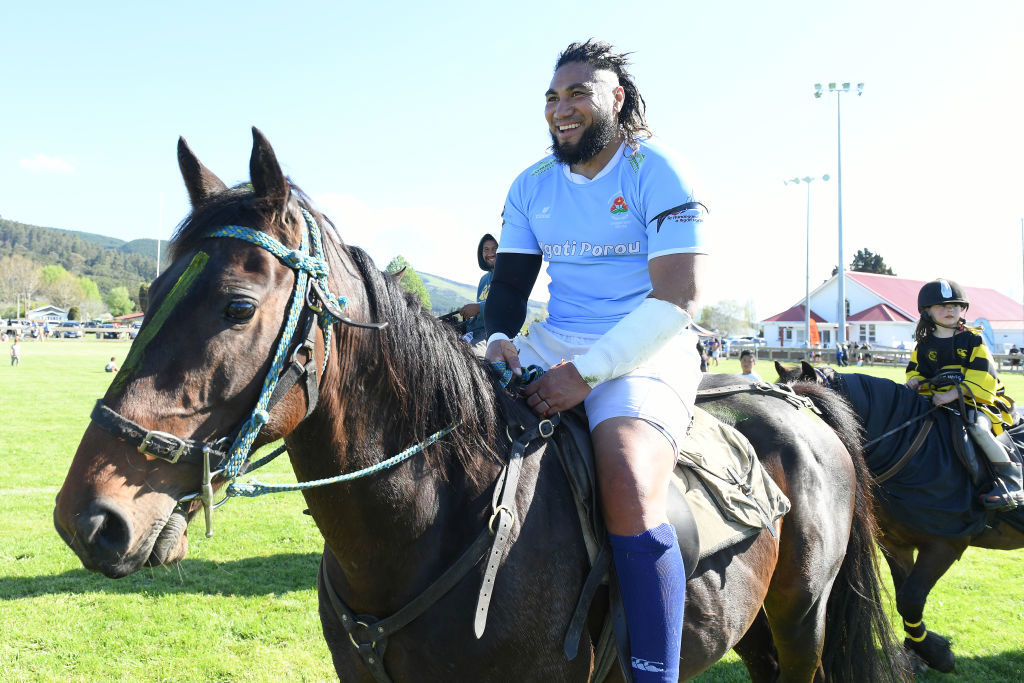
{"x": 242, "y": 606}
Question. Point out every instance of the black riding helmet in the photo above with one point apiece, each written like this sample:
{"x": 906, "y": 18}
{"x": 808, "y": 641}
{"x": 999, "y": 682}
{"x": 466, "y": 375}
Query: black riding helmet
{"x": 941, "y": 292}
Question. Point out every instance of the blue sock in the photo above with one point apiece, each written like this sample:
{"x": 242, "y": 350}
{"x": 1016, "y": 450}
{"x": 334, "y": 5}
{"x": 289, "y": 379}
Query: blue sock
{"x": 652, "y": 581}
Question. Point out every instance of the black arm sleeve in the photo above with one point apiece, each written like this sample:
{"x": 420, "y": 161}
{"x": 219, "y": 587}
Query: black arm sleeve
{"x": 514, "y": 277}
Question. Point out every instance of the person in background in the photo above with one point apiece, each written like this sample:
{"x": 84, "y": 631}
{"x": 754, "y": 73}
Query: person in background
{"x": 747, "y": 362}
{"x": 473, "y": 313}
{"x": 955, "y": 360}
{"x": 703, "y": 356}
{"x": 715, "y": 349}
{"x": 112, "y": 365}
{"x": 16, "y": 351}
{"x": 621, "y": 228}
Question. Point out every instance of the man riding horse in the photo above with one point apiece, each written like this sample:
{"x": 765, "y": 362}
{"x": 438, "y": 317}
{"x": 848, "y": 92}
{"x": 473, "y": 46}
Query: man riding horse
{"x": 617, "y": 220}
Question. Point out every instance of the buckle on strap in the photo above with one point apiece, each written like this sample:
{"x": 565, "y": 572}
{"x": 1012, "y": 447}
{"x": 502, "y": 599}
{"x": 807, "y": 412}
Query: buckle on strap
{"x": 163, "y": 445}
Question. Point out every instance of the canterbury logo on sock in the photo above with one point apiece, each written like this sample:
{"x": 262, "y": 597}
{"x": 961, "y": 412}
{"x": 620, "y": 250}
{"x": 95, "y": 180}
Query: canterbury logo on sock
{"x": 646, "y": 665}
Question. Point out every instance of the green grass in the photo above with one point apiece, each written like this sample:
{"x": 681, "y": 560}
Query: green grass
{"x": 242, "y": 606}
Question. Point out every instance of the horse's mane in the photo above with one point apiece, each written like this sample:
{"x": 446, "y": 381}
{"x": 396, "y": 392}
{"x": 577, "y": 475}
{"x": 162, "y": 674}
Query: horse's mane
{"x": 432, "y": 373}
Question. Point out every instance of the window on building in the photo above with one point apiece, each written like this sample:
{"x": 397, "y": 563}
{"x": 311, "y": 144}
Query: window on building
{"x": 867, "y": 333}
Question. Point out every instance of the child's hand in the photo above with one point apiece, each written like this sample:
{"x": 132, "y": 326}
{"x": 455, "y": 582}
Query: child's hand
{"x": 914, "y": 383}
{"x": 944, "y": 397}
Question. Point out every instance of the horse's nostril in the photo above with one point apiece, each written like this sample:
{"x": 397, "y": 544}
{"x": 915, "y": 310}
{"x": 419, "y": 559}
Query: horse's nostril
{"x": 106, "y": 528}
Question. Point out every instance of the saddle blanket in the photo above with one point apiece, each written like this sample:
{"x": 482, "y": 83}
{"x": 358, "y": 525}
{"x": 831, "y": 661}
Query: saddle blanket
{"x": 729, "y": 492}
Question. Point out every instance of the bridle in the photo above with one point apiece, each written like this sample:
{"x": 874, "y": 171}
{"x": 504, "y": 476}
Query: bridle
{"x": 312, "y": 305}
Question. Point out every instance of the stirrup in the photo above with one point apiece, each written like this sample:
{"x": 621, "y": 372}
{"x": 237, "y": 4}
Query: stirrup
{"x": 1001, "y": 498}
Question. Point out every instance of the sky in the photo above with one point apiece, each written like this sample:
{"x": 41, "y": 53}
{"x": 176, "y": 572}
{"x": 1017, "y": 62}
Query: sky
{"x": 406, "y": 123}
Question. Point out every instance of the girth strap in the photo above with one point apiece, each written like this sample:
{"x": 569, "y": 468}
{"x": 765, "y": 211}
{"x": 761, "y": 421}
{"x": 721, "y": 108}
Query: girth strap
{"x": 155, "y": 443}
{"x": 579, "y": 617}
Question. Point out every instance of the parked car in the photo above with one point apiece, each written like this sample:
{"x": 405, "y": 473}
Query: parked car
{"x": 69, "y": 329}
{"x": 111, "y": 331}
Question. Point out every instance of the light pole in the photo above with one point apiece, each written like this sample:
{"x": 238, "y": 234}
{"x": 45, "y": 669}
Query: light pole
{"x": 807, "y": 256}
{"x": 839, "y": 90}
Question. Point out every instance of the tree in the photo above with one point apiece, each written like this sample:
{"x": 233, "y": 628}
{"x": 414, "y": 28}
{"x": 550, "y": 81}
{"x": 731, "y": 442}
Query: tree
{"x": 726, "y": 317}
{"x": 866, "y": 262}
{"x": 411, "y": 281}
{"x": 143, "y": 297}
{"x": 51, "y": 274}
{"x": 74, "y": 313}
{"x": 119, "y": 302}
{"x": 20, "y": 278}
{"x": 92, "y": 305}
{"x": 65, "y": 291}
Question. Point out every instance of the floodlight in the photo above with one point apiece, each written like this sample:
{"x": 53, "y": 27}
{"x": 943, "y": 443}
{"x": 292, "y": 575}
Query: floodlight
{"x": 817, "y": 89}
{"x": 846, "y": 87}
{"x": 831, "y": 86}
{"x": 860, "y": 89}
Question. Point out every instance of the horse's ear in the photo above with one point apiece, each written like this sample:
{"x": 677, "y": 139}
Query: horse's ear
{"x": 399, "y": 274}
{"x": 268, "y": 179}
{"x": 807, "y": 372}
{"x": 200, "y": 181}
{"x": 783, "y": 372}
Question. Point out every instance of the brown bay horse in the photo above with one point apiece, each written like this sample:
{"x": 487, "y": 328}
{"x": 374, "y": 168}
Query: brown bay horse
{"x": 927, "y": 507}
{"x": 256, "y": 310}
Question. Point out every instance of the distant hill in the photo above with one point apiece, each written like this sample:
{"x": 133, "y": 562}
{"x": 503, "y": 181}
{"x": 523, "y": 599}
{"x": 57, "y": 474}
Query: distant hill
{"x": 104, "y": 260}
{"x": 147, "y": 248}
{"x": 111, "y": 262}
{"x": 447, "y": 295}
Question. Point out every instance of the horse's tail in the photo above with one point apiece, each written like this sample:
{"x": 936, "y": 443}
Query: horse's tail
{"x": 860, "y": 643}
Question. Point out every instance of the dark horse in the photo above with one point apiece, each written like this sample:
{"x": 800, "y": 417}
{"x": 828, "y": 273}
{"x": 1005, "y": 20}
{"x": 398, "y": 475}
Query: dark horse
{"x": 926, "y": 504}
{"x": 214, "y": 320}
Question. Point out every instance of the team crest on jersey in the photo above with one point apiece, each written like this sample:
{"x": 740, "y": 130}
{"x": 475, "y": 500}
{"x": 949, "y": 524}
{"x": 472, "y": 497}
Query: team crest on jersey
{"x": 619, "y": 205}
{"x": 933, "y": 355}
{"x": 962, "y": 353}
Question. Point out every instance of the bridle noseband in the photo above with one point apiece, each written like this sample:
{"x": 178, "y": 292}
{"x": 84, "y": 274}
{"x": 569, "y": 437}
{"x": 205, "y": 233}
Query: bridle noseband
{"x": 311, "y": 302}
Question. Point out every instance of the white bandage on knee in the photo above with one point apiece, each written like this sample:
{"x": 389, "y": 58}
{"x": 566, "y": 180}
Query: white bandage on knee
{"x": 632, "y": 340}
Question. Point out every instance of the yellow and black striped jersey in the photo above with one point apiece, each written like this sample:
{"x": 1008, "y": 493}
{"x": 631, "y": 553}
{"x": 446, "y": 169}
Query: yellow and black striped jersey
{"x": 963, "y": 355}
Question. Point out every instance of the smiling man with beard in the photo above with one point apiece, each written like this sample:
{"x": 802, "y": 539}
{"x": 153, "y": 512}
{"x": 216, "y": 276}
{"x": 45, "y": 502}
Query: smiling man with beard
{"x": 617, "y": 220}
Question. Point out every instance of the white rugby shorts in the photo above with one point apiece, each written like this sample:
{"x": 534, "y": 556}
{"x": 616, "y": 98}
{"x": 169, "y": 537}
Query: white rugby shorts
{"x": 662, "y": 391}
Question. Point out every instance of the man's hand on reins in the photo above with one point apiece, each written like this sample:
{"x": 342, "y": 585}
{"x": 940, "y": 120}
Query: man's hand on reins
{"x": 560, "y": 388}
{"x": 503, "y": 350}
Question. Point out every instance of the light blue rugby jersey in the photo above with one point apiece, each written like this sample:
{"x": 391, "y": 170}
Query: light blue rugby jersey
{"x": 597, "y": 237}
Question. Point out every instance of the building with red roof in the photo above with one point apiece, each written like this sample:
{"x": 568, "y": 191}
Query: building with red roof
{"x": 882, "y": 311}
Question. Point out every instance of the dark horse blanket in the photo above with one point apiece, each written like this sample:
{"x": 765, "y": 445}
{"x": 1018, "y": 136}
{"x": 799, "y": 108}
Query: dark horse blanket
{"x": 933, "y": 492}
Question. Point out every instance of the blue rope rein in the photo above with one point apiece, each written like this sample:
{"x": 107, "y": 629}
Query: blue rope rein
{"x": 256, "y": 488}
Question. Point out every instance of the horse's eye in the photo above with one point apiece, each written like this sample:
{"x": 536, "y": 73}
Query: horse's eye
{"x": 240, "y": 311}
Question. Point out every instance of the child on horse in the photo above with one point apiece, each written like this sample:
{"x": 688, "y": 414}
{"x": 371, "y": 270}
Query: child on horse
{"x": 956, "y": 359}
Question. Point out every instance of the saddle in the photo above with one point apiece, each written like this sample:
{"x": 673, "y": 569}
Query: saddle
{"x": 720, "y": 494}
